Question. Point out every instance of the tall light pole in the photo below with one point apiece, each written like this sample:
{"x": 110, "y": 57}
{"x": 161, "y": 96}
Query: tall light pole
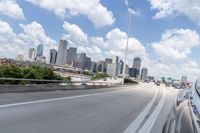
{"x": 126, "y": 51}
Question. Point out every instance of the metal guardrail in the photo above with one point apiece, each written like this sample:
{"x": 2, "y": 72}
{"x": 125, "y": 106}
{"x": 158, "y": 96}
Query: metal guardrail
{"x": 61, "y": 81}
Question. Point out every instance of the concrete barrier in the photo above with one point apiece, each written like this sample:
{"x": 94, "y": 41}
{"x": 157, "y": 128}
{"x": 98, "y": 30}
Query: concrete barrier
{"x": 38, "y": 88}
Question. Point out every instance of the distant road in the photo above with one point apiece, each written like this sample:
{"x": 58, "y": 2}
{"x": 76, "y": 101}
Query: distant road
{"x": 141, "y": 108}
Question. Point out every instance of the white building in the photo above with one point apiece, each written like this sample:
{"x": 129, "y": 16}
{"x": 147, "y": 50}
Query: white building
{"x": 32, "y": 54}
{"x": 62, "y": 53}
{"x": 144, "y": 73}
{"x": 111, "y": 69}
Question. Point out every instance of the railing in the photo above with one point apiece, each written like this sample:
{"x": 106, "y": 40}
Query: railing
{"x": 60, "y": 82}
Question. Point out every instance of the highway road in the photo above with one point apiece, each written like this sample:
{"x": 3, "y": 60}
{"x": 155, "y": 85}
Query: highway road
{"x": 130, "y": 109}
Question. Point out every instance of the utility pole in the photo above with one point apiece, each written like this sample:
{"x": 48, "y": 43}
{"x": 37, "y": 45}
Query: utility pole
{"x": 126, "y": 51}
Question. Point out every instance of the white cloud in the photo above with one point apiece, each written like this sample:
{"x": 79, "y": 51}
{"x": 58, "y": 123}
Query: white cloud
{"x": 162, "y": 69}
{"x": 74, "y": 34}
{"x": 165, "y": 8}
{"x": 11, "y": 9}
{"x": 94, "y": 10}
{"x": 176, "y": 44}
{"x": 98, "y": 47}
{"x": 126, "y": 2}
{"x": 32, "y": 35}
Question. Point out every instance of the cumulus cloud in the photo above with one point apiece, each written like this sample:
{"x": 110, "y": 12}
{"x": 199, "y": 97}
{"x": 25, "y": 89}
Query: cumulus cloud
{"x": 173, "y": 70}
{"x": 74, "y": 34}
{"x": 12, "y": 9}
{"x": 176, "y": 44}
{"x": 165, "y": 8}
{"x": 94, "y": 10}
{"x": 98, "y": 47}
{"x": 32, "y": 35}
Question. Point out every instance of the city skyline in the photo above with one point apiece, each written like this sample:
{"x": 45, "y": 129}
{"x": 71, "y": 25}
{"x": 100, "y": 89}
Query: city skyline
{"x": 159, "y": 42}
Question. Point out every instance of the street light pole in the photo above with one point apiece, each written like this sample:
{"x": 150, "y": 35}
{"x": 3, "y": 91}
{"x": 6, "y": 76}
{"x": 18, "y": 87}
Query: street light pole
{"x": 126, "y": 51}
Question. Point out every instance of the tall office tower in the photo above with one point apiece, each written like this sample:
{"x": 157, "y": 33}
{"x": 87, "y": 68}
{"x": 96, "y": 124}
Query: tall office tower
{"x": 62, "y": 52}
{"x": 136, "y": 67}
{"x": 88, "y": 63}
{"x": 121, "y": 66}
{"x": 71, "y": 55}
{"x": 82, "y": 59}
{"x": 111, "y": 69}
{"x": 107, "y": 61}
{"x": 101, "y": 66}
{"x": 53, "y": 56}
{"x": 127, "y": 70}
{"x": 40, "y": 49}
{"x": 144, "y": 73}
{"x": 32, "y": 54}
{"x": 115, "y": 59}
{"x": 93, "y": 67}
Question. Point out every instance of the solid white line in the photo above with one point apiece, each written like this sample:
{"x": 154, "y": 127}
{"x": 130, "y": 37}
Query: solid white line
{"x": 134, "y": 126}
{"x": 58, "y": 99}
{"x": 152, "y": 119}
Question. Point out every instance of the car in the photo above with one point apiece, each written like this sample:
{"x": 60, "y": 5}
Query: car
{"x": 185, "y": 115}
{"x": 146, "y": 81}
{"x": 157, "y": 83}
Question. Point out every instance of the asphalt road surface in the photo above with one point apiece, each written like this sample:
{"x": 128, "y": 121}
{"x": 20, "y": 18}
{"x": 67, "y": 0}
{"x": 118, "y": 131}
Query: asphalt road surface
{"x": 131, "y": 109}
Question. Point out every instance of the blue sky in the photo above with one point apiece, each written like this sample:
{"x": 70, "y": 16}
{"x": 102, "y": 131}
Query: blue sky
{"x": 165, "y": 30}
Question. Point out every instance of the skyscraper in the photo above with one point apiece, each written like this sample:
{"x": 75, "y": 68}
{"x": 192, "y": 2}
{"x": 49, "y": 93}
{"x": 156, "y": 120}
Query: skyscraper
{"x": 62, "y": 52}
{"x": 71, "y": 55}
{"x": 32, "y": 54}
{"x": 107, "y": 61}
{"x": 40, "y": 49}
{"x": 121, "y": 66}
{"x": 115, "y": 59}
{"x": 144, "y": 73}
{"x": 136, "y": 67}
{"x": 82, "y": 59}
{"x": 88, "y": 63}
{"x": 53, "y": 56}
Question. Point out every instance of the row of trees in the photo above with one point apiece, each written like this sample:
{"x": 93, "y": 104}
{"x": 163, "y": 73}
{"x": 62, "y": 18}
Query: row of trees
{"x": 30, "y": 72}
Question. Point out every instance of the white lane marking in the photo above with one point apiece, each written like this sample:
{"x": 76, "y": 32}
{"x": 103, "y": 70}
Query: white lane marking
{"x": 62, "y": 98}
{"x": 146, "y": 128}
{"x": 134, "y": 126}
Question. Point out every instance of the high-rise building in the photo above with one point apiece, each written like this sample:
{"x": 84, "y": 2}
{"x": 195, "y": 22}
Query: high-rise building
{"x": 40, "y": 49}
{"x": 107, "y": 61}
{"x": 127, "y": 70}
{"x": 32, "y": 54}
{"x": 93, "y": 67}
{"x": 121, "y": 66}
{"x": 88, "y": 63}
{"x": 144, "y": 73}
{"x": 53, "y": 56}
{"x": 71, "y": 55}
{"x": 82, "y": 59}
{"x": 62, "y": 52}
{"x": 115, "y": 59}
{"x": 136, "y": 67}
{"x": 101, "y": 66}
{"x": 19, "y": 57}
{"x": 111, "y": 69}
